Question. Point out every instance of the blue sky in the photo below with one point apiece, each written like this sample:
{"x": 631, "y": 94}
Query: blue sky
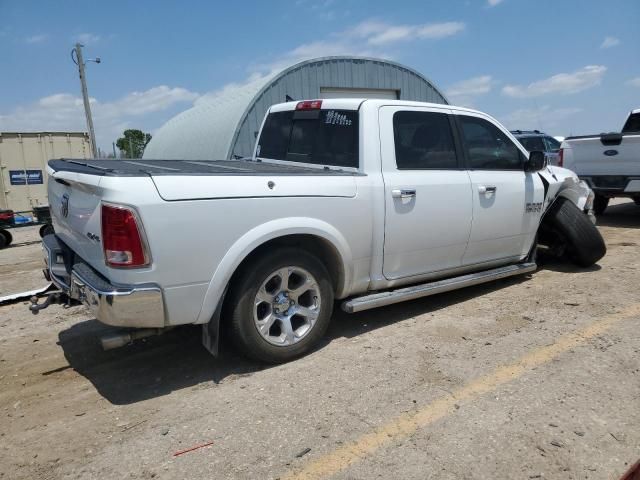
{"x": 568, "y": 67}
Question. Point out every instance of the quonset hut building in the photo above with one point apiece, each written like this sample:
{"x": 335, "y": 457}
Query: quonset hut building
{"x": 225, "y": 125}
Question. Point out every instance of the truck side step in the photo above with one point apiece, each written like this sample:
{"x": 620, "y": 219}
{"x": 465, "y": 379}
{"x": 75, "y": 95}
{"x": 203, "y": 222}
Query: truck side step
{"x": 374, "y": 300}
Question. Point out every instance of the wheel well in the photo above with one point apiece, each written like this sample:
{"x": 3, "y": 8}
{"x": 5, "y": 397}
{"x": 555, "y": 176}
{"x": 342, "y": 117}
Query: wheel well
{"x": 315, "y": 245}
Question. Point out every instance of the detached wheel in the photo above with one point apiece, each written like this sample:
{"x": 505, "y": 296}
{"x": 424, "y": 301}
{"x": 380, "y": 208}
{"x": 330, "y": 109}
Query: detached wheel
{"x": 584, "y": 244}
{"x": 5, "y": 238}
{"x": 46, "y": 230}
{"x": 600, "y": 204}
{"x": 281, "y": 306}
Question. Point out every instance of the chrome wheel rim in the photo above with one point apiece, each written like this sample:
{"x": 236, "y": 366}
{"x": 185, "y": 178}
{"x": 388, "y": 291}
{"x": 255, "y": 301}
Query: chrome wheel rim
{"x": 287, "y": 306}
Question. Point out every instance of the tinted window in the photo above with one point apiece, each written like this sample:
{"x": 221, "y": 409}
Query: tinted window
{"x": 323, "y": 137}
{"x": 552, "y": 144}
{"x": 632, "y": 124}
{"x": 488, "y": 147}
{"x": 532, "y": 143}
{"x": 423, "y": 140}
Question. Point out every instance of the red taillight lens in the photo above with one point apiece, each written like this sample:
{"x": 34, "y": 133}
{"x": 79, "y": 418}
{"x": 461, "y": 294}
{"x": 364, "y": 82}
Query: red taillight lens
{"x": 121, "y": 238}
{"x": 309, "y": 105}
{"x": 561, "y": 157}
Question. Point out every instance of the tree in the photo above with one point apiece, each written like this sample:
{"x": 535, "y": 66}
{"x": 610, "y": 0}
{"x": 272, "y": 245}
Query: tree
{"x": 133, "y": 143}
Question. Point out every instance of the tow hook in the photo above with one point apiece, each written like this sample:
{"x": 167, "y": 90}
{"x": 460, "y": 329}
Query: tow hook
{"x": 52, "y": 298}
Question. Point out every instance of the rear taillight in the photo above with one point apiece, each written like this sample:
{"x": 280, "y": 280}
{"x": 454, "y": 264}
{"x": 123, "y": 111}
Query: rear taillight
{"x": 309, "y": 105}
{"x": 561, "y": 157}
{"x": 121, "y": 238}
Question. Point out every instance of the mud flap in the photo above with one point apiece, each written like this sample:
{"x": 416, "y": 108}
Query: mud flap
{"x": 211, "y": 331}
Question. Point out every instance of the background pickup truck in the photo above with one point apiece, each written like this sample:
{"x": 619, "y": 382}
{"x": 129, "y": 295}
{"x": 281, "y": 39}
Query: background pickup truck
{"x": 368, "y": 201}
{"x": 609, "y": 162}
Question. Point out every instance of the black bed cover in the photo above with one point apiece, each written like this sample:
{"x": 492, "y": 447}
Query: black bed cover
{"x": 138, "y": 167}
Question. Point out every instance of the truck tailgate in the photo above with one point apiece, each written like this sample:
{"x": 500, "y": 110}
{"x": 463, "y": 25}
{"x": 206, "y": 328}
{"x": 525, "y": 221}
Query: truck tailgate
{"x": 591, "y": 157}
{"x": 75, "y": 200}
{"x": 75, "y": 210}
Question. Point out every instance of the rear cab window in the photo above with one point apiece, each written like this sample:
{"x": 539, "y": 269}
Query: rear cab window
{"x": 632, "y": 124}
{"x": 319, "y": 137}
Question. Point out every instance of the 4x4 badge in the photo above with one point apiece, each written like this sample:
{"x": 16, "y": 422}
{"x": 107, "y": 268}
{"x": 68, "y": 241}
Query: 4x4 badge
{"x": 64, "y": 208}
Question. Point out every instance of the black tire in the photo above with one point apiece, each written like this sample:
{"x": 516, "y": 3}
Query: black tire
{"x": 600, "y": 204}
{"x": 7, "y": 237}
{"x": 242, "y": 302}
{"x": 3, "y": 239}
{"x": 584, "y": 244}
{"x": 45, "y": 230}
{"x": 636, "y": 200}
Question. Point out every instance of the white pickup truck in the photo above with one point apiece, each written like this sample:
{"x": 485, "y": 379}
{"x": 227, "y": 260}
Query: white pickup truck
{"x": 608, "y": 162}
{"x": 368, "y": 201}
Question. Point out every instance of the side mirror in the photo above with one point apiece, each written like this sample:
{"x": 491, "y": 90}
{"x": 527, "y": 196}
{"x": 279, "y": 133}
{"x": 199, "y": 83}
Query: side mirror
{"x": 536, "y": 162}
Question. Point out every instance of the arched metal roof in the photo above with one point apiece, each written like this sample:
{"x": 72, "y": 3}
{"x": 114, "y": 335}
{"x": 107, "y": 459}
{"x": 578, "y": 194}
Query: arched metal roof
{"x": 225, "y": 123}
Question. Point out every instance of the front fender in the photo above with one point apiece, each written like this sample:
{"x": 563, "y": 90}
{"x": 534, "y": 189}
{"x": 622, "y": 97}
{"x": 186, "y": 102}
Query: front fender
{"x": 262, "y": 234}
{"x": 565, "y": 183}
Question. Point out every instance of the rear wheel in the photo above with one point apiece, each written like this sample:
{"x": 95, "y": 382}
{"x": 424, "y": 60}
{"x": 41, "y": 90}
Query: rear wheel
{"x": 8, "y": 238}
{"x": 45, "y": 230}
{"x": 600, "y": 204}
{"x": 3, "y": 239}
{"x": 583, "y": 242}
{"x": 281, "y": 306}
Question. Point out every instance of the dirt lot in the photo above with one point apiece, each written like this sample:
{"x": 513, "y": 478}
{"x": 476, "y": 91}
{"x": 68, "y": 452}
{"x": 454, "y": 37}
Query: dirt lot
{"x": 536, "y": 377}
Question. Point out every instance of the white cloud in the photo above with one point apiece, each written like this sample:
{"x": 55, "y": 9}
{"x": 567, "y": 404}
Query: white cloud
{"x": 36, "y": 39}
{"x": 379, "y": 33}
{"x": 462, "y": 93}
{"x": 493, "y": 3}
{"x": 544, "y": 117}
{"x": 609, "y": 42}
{"x": 87, "y": 38}
{"x": 65, "y": 112}
{"x": 562, "y": 83}
{"x": 369, "y": 38}
{"x": 633, "y": 82}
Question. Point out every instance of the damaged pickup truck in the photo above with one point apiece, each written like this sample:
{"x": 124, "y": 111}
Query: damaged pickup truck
{"x": 369, "y": 202}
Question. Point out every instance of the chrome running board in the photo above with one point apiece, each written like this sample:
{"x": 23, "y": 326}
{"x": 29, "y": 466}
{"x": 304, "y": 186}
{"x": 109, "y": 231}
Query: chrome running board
{"x": 374, "y": 300}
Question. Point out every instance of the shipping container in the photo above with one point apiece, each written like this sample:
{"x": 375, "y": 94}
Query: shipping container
{"x": 23, "y": 164}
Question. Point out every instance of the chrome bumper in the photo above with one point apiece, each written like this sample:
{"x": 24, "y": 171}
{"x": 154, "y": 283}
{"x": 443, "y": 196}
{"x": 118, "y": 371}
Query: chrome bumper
{"x": 139, "y": 306}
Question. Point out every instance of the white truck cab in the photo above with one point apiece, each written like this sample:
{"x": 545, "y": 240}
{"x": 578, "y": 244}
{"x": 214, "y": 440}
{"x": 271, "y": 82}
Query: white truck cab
{"x": 371, "y": 202}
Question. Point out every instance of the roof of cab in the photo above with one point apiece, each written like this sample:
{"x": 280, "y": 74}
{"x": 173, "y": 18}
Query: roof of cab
{"x": 356, "y": 103}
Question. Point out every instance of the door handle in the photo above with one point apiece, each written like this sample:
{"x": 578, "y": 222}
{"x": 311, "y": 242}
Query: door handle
{"x": 403, "y": 193}
{"x": 487, "y": 188}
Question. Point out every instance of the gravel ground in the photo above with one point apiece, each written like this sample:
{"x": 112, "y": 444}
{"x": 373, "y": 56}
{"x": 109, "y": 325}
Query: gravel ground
{"x": 484, "y": 383}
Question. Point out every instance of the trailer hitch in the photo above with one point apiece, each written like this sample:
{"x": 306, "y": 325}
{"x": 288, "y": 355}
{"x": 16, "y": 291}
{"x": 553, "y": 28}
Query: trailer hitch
{"x": 52, "y": 299}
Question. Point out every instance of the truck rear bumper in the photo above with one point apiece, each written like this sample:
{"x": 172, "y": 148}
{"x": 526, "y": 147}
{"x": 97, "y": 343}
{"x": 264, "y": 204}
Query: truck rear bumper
{"x": 613, "y": 185}
{"x": 139, "y": 306}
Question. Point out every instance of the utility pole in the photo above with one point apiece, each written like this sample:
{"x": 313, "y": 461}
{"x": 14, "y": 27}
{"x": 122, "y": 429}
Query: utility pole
{"x": 85, "y": 95}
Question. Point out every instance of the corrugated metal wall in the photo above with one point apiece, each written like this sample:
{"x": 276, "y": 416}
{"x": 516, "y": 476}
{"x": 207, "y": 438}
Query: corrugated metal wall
{"x": 28, "y": 153}
{"x": 225, "y": 123}
{"x": 305, "y": 81}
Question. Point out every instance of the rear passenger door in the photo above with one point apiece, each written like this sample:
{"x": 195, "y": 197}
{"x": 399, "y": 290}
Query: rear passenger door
{"x": 507, "y": 201}
{"x": 427, "y": 192}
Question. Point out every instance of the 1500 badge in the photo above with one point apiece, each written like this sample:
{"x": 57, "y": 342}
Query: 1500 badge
{"x": 533, "y": 207}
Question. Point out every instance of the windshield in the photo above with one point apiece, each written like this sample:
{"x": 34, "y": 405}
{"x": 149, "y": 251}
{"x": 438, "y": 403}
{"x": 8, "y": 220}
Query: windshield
{"x": 532, "y": 143}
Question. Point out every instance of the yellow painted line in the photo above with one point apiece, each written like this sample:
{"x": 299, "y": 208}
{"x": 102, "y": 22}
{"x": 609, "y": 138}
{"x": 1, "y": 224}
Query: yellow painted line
{"x": 406, "y": 424}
